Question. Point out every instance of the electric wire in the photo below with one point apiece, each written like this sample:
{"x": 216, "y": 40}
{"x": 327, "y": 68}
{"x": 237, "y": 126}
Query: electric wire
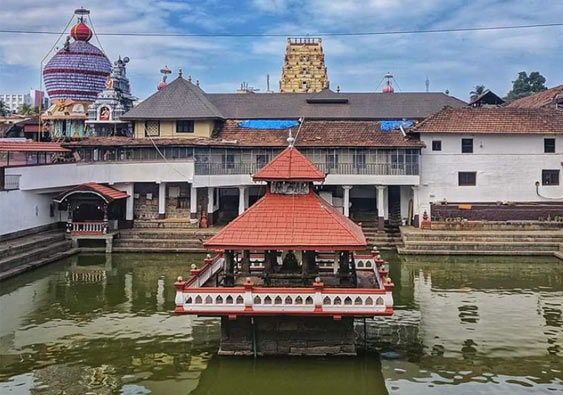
{"x": 318, "y": 34}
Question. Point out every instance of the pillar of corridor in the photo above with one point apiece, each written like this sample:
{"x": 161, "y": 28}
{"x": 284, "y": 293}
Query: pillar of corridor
{"x": 129, "y": 189}
{"x": 415, "y": 209}
{"x": 346, "y": 203}
{"x": 193, "y": 204}
{"x": 241, "y": 199}
{"x": 210, "y": 205}
{"x": 161, "y": 200}
{"x": 381, "y": 206}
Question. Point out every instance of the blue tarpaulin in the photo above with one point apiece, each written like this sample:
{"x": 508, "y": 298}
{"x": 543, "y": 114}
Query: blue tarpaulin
{"x": 393, "y": 125}
{"x": 268, "y": 124}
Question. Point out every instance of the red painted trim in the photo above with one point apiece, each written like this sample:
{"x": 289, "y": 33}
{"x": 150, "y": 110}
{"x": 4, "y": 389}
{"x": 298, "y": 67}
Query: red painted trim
{"x": 272, "y": 290}
{"x": 354, "y": 291}
{"x": 214, "y": 313}
{"x": 222, "y": 290}
{"x": 264, "y": 290}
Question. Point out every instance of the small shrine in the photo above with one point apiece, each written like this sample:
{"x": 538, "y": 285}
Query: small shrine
{"x": 114, "y": 101}
{"x": 289, "y": 276}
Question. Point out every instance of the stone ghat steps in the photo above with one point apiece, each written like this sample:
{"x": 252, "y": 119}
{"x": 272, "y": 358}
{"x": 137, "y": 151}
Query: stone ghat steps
{"x": 158, "y": 243}
{"x": 164, "y": 224}
{"x": 33, "y": 257}
{"x": 407, "y": 251}
{"x": 159, "y": 249}
{"x": 161, "y": 234}
{"x": 37, "y": 263}
{"x": 27, "y": 243}
{"x": 481, "y": 246}
{"x": 517, "y": 237}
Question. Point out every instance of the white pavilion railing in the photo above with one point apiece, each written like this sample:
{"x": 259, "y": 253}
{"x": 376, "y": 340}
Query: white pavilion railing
{"x": 88, "y": 228}
{"x": 193, "y": 297}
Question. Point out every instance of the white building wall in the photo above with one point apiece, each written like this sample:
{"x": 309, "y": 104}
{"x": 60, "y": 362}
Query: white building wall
{"x": 507, "y": 167}
{"x": 20, "y": 210}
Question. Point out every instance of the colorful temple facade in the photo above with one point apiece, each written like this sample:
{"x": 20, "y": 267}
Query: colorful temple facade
{"x": 304, "y": 69}
{"x": 289, "y": 260}
{"x": 73, "y": 78}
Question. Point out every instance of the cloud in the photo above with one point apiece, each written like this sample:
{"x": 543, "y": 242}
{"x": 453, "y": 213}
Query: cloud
{"x": 454, "y": 61}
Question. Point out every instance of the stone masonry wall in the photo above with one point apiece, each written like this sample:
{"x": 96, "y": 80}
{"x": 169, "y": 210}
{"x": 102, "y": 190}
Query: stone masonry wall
{"x": 146, "y": 209}
{"x": 288, "y": 336}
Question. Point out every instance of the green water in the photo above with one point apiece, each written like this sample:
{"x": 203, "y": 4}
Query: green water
{"x": 100, "y": 325}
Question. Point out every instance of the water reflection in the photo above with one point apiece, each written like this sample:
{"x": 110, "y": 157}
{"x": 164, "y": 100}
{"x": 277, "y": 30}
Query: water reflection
{"x": 104, "y": 324}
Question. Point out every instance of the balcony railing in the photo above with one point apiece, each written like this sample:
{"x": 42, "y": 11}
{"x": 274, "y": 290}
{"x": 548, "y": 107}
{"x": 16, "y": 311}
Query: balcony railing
{"x": 384, "y": 169}
{"x": 88, "y": 228}
{"x": 11, "y": 182}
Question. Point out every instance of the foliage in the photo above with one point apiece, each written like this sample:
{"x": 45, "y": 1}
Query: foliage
{"x": 477, "y": 91}
{"x": 4, "y": 110}
{"x": 26, "y": 109}
{"x": 526, "y": 85}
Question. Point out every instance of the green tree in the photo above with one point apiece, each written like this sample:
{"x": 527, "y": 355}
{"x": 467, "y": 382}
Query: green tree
{"x": 477, "y": 91}
{"x": 526, "y": 85}
{"x": 25, "y": 109}
{"x": 3, "y": 109}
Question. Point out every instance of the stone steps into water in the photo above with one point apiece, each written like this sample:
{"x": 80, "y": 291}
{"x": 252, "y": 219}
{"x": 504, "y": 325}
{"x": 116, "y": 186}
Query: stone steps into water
{"x": 35, "y": 257}
{"x": 162, "y": 240}
{"x": 514, "y": 241}
{"x": 26, "y": 243}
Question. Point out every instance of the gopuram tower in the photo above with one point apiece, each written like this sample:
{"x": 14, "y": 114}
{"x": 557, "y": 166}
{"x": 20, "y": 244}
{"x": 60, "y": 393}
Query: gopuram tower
{"x": 304, "y": 67}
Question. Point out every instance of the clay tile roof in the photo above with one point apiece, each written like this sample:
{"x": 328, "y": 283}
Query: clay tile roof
{"x": 493, "y": 120}
{"x": 108, "y": 194}
{"x": 319, "y": 134}
{"x": 541, "y": 99}
{"x": 30, "y": 146}
{"x": 289, "y": 165}
{"x": 290, "y": 222}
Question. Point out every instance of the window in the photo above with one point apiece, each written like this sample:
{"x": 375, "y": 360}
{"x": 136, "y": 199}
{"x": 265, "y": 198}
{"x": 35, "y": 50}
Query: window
{"x": 261, "y": 160}
{"x": 437, "y": 145}
{"x": 466, "y": 178}
{"x": 466, "y": 146}
{"x": 331, "y": 159}
{"x": 359, "y": 160}
{"x": 184, "y": 126}
{"x": 228, "y": 161}
{"x": 550, "y": 177}
{"x": 549, "y": 146}
{"x": 152, "y": 128}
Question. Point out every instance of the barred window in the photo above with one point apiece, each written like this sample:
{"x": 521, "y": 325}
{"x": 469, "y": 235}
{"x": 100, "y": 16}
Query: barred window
{"x": 152, "y": 128}
{"x": 550, "y": 177}
{"x": 467, "y": 178}
{"x": 184, "y": 126}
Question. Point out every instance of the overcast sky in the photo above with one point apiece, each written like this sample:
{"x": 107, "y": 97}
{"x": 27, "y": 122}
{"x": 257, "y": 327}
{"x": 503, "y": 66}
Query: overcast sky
{"x": 452, "y": 61}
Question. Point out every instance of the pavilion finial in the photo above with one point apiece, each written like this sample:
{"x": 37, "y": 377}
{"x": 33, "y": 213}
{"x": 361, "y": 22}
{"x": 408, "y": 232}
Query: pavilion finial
{"x": 290, "y": 139}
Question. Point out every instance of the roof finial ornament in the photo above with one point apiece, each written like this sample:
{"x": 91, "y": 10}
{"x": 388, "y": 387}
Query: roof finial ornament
{"x": 197, "y": 82}
{"x": 179, "y": 73}
{"x": 164, "y": 71}
{"x": 337, "y": 88}
{"x": 189, "y": 78}
{"x": 290, "y": 140}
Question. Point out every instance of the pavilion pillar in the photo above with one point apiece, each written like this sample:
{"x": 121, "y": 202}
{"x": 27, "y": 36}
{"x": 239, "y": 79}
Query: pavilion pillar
{"x": 193, "y": 204}
{"x": 381, "y": 206}
{"x": 308, "y": 263}
{"x": 229, "y": 268}
{"x": 346, "y": 189}
{"x": 162, "y": 200}
{"x": 344, "y": 266}
{"x": 210, "y": 204}
{"x": 241, "y": 199}
{"x": 245, "y": 264}
{"x": 415, "y": 206}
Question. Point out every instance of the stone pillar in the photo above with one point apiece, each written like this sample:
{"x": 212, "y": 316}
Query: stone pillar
{"x": 381, "y": 206}
{"x": 346, "y": 189}
{"x": 245, "y": 264}
{"x": 162, "y": 200}
{"x": 193, "y": 204}
{"x": 210, "y": 204}
{"x": 229, "y": 268}
{"x": 415, "y": 206}
{"x": 247, "y": 198}
{"x": 241, "y": 199}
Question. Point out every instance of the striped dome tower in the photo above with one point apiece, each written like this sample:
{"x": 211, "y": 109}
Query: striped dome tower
{"x": 79, "y": 70}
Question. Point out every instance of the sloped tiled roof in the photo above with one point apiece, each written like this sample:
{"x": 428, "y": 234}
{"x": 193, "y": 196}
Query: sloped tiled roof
{"x": 178, "y": 100}
{"x": 108, "y": 194}
{"x": 290, "y": 222}
{"x": 369, "y": 105}
{"x": 30, "y": 146}
{"x": 320, "y": 134}
{"x": 540, "y": 100}
{"x": 289, "y": 165}
{"x": 493, "y": 120}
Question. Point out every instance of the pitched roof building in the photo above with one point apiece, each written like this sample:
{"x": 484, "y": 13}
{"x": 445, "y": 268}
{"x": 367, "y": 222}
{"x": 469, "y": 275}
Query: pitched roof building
{"x": 550, "y": 98}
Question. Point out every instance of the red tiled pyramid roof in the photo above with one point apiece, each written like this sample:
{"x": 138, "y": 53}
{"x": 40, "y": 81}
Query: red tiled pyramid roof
{"x": 109, "y": 194}
{"x": 290, "y": 165}
{"x": 290, "y": 222}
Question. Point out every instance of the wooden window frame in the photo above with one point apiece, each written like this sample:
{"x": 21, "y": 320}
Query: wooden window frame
{"x": 464, "y": 147}
{"x": 464, "y": 183}
{"x": 548, "y": 173}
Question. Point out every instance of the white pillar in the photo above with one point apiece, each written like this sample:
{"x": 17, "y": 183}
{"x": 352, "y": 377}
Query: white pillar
{"x": 247, "y": 198}
{"x": 210, "y": 202}
{"x": 381, "y": 206}
{"x": 346, "y": 189}
{"x": 415, "y": 206}
{"x": 161, "y": 200}
{"x": 241, "y": 199}
{"x": 193, "y": 203}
